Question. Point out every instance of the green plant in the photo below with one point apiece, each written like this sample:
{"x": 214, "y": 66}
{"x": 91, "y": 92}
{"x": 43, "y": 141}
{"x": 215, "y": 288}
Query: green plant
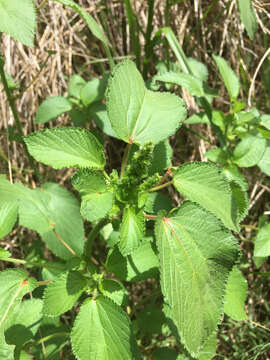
{"x": 190, "y": 245}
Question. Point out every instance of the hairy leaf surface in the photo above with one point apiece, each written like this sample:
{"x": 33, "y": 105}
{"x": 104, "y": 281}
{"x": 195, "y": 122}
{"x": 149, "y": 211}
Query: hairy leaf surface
{"x": 62, "y": 147}
{"x": 18, "y": 19}
{"x": 139, "y": 115}
{"x": 61, "y": 294}
{"x": 204, "y": 184}
{"x": 196, "y": 254}
{"x": 101, "y": 331}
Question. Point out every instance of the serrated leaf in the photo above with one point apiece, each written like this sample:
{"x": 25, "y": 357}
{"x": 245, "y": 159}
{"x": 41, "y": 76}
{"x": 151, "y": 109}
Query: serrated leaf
{"x": 6, "y": 350}
{"x": 97, "y": 198}
{"x": 262, "y": 242}
{"x": 131, "y": 230}
{"x": 157, "y": 201}
{"x": 99, "y": 114}
{"x": 162, "y": 157}
{"x": 248, "y": 17}
{"x": 209, "y": 348}
{"x": 233, "y": 173}
{"x": 249, "y": 151}
{"x": 61, "y": 294}
{"x": 25, "y": 322}
{"x": 139, "y": 115}
{"x": 93, "y": 90}
{"x": 14, "y": 284}
{"x": 101, "y": 331}
{"x": 264, "y": 163}
{"x": 8, "y": 217}
{"x": 18, "y": 20}
{"x": 76, "y": 83}
{"x": 229, "y": 78}
{"x": 196, "y": 254}
{"x": 45, "y": 210}
{"x": 240, "y": 200}
{"x": 236, "y": 294}
{"x": 204, "y": 183}
{"x": 62, "y": 147}
{"x": 114, "y": 290}
{"x": 51, "y": 108}
{"x": 140, "y": 265}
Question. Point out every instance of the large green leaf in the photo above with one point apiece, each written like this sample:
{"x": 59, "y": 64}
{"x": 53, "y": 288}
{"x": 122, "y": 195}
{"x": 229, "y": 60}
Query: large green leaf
{"x": 62, "y": 147}
{"x": 14, "y": 284}
{"x": 236, "y": 294}
{"x": 196, "y": 254}
{"x": 131, "y": 230}
{"x": 18, "y": 19}
{"x": 204, "y": 184}
{"x": 45, "y": 211}
{"x": 140, "y": 265}
{"x": 8, "y": 217}
{"x": 248, "y": 17}
{"x": 97, "y": 198}
{"x": 250, "y": 150}
{"x": 139, "y": 115}
{"x": 231, "y": 81}
{"x": 51, "y": 108}
{"x": 101, "y": 331}
{"x": 262, "y": 242}
{"x": 61, "y": 294}
{"x": 24, "y": 323}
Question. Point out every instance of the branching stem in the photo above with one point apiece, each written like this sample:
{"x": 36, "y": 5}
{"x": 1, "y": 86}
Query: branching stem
{"x": 161, "y": 186}
{"x": 125, "y": 159}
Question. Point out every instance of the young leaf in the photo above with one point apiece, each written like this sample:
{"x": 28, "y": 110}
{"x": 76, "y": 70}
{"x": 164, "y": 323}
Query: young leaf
{"x": 97, "y": 198}
{"x": 157, "y": 201}
{"x": 262, "y": 242}
{"x": 162, "y": 157}
{"x": 18, "y": 20}
{"x": 203, "y": 183}
{"x": 61, "y": 294}
{"x": 140, "y": 265}
{"x": 139, "y": 115}
{"x": 24, "y": 323}
{"x": 114, "y": 290}
{"x": 249, "y": 151}
{"x": 196, "y": 254}
{"x": 94, "y": 90}
{"x": 101, "y": 331}
{"x": 248, "y": 17}
{"x": 231, "y": 81}
{"x": 264, "y": 163}
{"x": 62, "y": 147}
{"x": 131, "y": 230}
{"x": 51, "y": 108}
{"x": 14, "y": 284}
{"x": 45, "y": 211}
{"x": 236, "y": 294}
{"x": 76, "y": 83}
{"x": 217, "y": 155}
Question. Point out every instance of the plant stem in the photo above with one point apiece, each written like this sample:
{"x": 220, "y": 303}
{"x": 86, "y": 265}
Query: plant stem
{"x": 45, "y": 282}
{"x": 161, "y": 186}
{"x": 15, "y": 115}
{"x": 125, "y": 159}
{"x": 91, "y": 237}
{"x": 197, "y": 134}
{"x": 51, "y": 336}
{"x": 148, "y": 42}
{"x": 150, "y": 217}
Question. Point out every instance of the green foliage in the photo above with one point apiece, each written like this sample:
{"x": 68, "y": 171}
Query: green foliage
{"x": 250, "y": 150}
{"x": 18, "y": 19}
{"x": 108, "y": 327}
{"x": 262, "y": 242}
{"x": 51, "y": 108}
{"x": 66, "y": 147}
{"x": 196, "y": 255}
{"x": 248, "y": 17}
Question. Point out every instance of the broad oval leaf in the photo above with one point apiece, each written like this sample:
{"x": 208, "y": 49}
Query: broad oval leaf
{"x": 93, "y": 90}
{"x": 231, "y": 81}
{"x": 204, "y": 184}
{"x": 101, "y": 331}
{"x": 249, "y": 151}
{"x": 262, "y": 242}
{"x": 196, "y": 254}
{"x": 51, "y": 108}
{"x": 137, "y": 114}
{"x": 131, "y": 230}
{"x": 62, "y": 147}
{"x": 62, "y": 293}
{"x": 236, "y": 294}
{"x": 18, "y": 19}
